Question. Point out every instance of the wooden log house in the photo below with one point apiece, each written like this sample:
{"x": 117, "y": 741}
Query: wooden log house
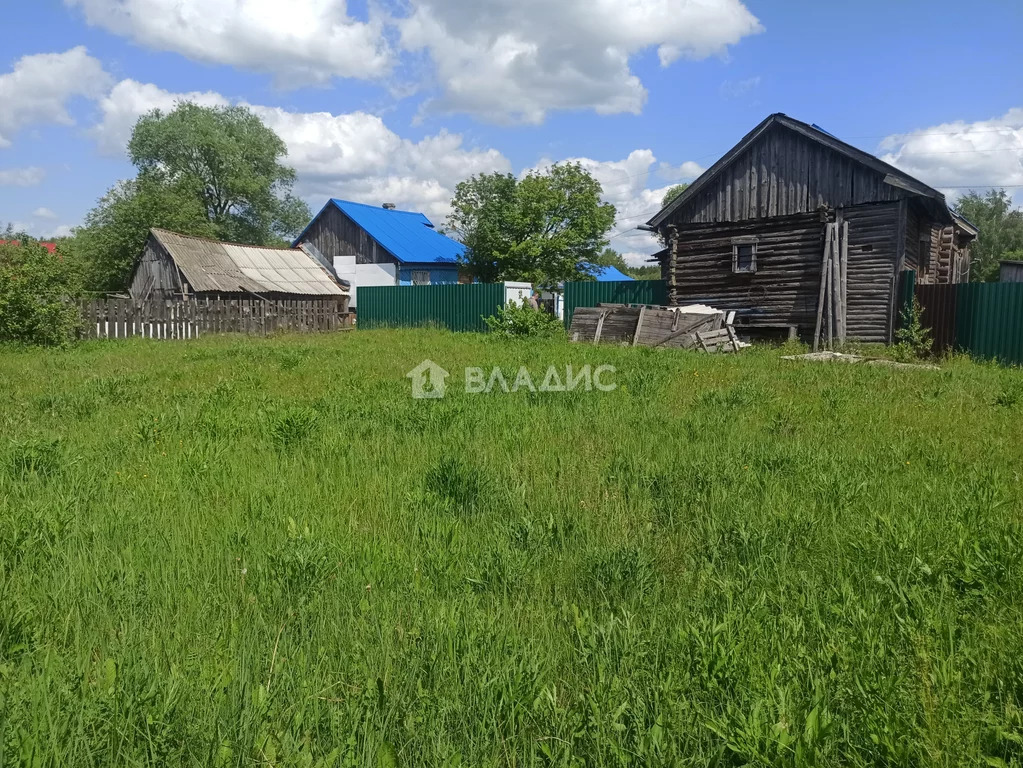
{"x": 748, "y": 235}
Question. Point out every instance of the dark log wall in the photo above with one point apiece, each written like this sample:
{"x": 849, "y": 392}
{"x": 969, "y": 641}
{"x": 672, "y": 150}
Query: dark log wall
{"x": 782, "y": 292}
{"x": 784, "y": 173}
{"x": 156, "y": 276}
{"x": 785, "y": 288}
{"x": 334, "y": 234}
{"x": 873, "y": 254}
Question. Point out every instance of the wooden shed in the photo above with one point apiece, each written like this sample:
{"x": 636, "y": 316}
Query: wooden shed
{"x": 748, "y": 235}
{"x": 175, "y": 266}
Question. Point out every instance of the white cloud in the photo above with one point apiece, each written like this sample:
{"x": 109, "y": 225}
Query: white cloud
{"x": 40, "y": 86}
{"x": 352, "y": 155}
{"x": 626, "y": 185}
{"x": 44, "y": 213}
{"x": 300, "y": 41}
{"x": 734, "y": 89}
{"x": 505, "y": 60}
{"x": 357, "y": 156}
{"x": 21, "y": 177}
{"x": 515, "y": 60}
{"x": 129, "y": 100}
{"x": 958, "y": 154}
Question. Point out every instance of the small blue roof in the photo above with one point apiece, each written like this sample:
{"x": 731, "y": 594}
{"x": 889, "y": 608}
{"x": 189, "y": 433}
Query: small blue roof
{"x": 406, "y": 235}
{"x": 609, "y": 275}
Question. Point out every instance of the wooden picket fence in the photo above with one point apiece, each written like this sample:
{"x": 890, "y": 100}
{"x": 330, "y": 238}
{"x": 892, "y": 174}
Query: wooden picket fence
{"x": 192, "y": 318}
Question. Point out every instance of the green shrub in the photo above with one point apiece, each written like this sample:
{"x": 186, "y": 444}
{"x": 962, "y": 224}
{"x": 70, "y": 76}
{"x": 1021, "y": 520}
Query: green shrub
{"x": 913, "y": 339}
{"x": 521, "y": 320}
{"x": 37, "y": 289}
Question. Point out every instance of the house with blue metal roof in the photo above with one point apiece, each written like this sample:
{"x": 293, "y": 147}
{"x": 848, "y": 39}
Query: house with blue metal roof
{"x": 372, "y": 245}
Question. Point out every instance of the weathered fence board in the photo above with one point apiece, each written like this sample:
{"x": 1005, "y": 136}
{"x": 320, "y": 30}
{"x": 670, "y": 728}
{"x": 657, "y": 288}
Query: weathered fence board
{"x": 165, "y": 319}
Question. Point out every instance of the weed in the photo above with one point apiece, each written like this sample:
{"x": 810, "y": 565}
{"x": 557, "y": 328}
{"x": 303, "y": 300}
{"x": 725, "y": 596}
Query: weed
{"x": 36, "y": 456}
{"x": 290, "y": 426}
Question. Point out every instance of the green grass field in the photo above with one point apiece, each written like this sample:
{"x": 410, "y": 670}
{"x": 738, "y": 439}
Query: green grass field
{"x": 238, "y": 552}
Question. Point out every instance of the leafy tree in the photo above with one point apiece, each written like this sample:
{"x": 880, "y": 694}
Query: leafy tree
{"x": 548, "y": 227}
{"x": 10, "y": 233}
{"x": 36, "y": 292}
{"x": 207, "y": 171}
{"x": 232, "y": 160}
{"x": 609, "y": 257}
{"x": 116, "y": 229}
{"x": 672, "y": 193}
{"x": 1001, "y": 231}
{"x": 646, "y": 272}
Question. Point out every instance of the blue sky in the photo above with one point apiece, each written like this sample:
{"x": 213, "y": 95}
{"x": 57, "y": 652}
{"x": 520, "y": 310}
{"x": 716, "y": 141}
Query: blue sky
{"x": 398, "y": 101}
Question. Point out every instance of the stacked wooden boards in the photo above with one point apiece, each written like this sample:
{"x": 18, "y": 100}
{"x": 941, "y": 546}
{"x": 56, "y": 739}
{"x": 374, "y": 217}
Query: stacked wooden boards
{"x": 692, "y": 327}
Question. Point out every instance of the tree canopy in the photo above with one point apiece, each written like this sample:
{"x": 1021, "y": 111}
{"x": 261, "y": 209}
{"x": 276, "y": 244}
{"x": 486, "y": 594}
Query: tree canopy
{"x": 208, "y": 171}
{"x": 545, "y": 228}
{"x": 36, "y": 288}
{"x": 1001, "y": 231}
{"x": 672, "y": 193}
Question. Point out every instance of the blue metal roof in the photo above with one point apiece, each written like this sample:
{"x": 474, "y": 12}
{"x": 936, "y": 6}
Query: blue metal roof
{"x": 609, "y": 275}
{"x": 408, "y": 236}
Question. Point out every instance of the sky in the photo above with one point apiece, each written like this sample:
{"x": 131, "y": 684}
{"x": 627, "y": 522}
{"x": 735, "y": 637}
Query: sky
{"x": 399, "y": 100}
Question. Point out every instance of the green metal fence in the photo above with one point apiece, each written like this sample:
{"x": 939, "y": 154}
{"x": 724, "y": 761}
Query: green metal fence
{"x": 983, "y": 319}
{"x": 592, "y": 293}
{"x": 458, "y": 307}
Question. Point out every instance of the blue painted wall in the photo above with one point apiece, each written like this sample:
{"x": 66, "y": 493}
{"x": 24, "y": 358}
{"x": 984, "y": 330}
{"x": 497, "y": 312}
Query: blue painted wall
{"x": 438, "y": 275}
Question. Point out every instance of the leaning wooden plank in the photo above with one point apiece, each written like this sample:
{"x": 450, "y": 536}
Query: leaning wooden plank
{"x": 845, "y": 279}
{"x": 639, "y": 326}
{"x": 600, "y": 327}
{"x": 836, "y": 285}
{"x": 733, "y": 338}
{"x": 715, "y": 336}
{"x": 831, "y": 292}
{"x": 687, "y": 329}
{"x": 823, "y": 288}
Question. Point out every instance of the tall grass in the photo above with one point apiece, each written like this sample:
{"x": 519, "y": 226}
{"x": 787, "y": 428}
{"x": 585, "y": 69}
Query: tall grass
{"x": 240, "y": 552}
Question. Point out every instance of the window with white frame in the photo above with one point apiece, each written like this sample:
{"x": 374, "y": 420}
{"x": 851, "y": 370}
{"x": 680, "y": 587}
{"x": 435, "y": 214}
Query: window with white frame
{"x": 744, "y": 255}
{"x": 420, "y": 277}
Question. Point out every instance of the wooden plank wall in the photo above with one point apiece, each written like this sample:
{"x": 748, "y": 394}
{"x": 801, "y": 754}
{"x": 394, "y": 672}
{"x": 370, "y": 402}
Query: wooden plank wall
{"x": 784, "y": 173}
{"x": 334, "y": 235}
{"x": 784, "y": 289}
{"x": 156, "y": 276}
{"x": 168, "y": 319}
{"x": 873, "y": 252}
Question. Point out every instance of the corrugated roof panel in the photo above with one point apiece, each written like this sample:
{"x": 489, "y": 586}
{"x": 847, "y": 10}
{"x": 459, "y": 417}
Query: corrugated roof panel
{"x": 406, "y": 235}
{"x": 230, "y": 268}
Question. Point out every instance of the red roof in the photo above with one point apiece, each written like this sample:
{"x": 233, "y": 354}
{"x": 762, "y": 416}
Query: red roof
{"x": 51, "y": 247}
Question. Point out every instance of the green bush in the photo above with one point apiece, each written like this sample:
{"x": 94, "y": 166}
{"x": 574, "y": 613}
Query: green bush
{"x": 913, "y": 338}
{"x": 37, "y": 292}
{"x": 517, "y": 320}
